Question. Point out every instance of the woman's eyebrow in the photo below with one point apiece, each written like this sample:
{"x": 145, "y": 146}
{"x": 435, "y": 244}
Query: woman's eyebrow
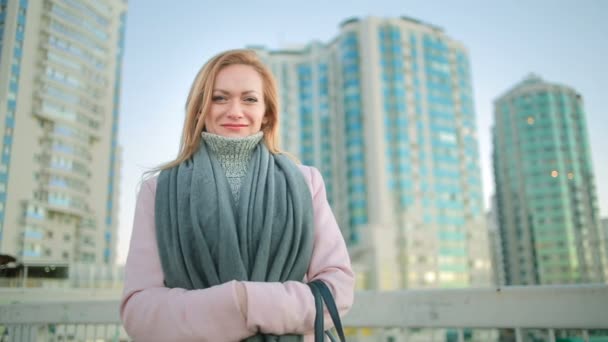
{"x": 227, "y": 92}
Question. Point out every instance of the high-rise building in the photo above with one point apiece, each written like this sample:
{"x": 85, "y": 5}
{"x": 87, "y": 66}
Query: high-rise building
{"x": 385, "y": 111}
{"x": 495, "y": 245}
{"x": 604, "y": 231}
{"x": 60, "y": 71}
{"x": 545, "y": 188}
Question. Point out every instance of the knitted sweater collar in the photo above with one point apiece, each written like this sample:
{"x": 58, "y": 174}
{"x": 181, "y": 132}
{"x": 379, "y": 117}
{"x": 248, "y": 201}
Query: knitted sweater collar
{"x": 232, "y": 148}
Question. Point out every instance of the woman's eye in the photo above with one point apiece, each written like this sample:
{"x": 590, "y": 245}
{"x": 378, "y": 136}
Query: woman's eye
{"x": 251, "y": 99}
{"x": 218, "y": 98}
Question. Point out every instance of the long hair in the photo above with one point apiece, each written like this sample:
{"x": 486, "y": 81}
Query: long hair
{"x": 199, "y": 102}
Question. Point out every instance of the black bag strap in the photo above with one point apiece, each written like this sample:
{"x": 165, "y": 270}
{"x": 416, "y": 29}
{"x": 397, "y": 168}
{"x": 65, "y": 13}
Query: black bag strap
{"x": 319, "y": 309}
{"x": 332, "y": 338}
{"x": 332, "y": 308}
{"x": 330, "y": 303}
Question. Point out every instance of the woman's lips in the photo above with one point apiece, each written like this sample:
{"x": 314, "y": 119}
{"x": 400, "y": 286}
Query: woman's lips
{"x": 234, "y": 127}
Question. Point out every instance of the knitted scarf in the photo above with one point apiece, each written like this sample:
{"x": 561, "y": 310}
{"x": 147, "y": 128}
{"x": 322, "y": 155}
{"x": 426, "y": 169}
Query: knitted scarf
{"x": 205, "y": 239}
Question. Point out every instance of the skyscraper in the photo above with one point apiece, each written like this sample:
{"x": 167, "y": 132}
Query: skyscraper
{"x": 604, "y": 224}
{"x": 385, "y": 111}
{"x": 60, "y": 71}
{"x": 545, "y": 188}
{"x": 495, "y": 244}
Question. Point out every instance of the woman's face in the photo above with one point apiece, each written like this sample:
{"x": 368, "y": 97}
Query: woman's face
{"x": 237, "y": 102}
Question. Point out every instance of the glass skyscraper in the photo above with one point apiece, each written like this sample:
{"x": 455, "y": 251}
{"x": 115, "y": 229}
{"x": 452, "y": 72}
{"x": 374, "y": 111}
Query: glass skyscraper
{"x": 60, "y": 71}
{"x": 385, "y": 111}
{"x": 545, "y": 188}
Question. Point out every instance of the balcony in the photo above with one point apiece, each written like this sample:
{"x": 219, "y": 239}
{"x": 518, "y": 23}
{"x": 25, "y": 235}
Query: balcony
{"x": 539, "y": 313}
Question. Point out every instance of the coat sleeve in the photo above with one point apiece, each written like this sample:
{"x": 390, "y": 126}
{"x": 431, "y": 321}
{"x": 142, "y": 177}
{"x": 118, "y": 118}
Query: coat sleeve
{"x": 152, "y": 312}
{"x": 283, "y": 308}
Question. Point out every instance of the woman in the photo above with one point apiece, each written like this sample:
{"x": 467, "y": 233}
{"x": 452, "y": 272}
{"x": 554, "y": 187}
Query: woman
{"x": 228, "y": 235}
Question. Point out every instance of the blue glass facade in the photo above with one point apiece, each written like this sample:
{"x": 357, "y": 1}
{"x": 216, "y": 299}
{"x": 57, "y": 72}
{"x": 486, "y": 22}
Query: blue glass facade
{"x": 424, "y": 109}
{"x": 287, "y": 118}
{"x": 11, "y": 103}
{"x": 470, "y": 143}
{"x": 398, "y": 154}
{"x": 306, "y": 112}
{"x": 429, "y": 125}
{"x": 326, "y": 138}
{"x": 401, "y": 91}
{"x": 445, "y": 144}
{"x": 545, "y": 190}
{"x": 313, "y": 96}
{"x": 355, "y": 149}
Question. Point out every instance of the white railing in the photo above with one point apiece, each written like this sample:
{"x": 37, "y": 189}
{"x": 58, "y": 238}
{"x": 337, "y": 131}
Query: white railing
{"x": 540, "y": 313}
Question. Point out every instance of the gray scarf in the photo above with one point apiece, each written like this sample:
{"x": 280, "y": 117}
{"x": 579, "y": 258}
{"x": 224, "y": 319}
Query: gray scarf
{"x": 205, "y": 239}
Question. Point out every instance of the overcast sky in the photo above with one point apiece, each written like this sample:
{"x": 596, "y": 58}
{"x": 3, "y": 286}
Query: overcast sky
{"x": 167, "y": 42}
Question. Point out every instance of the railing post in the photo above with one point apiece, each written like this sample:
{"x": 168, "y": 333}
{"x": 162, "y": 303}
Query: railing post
{"x": 585, "y": 335}
{"x": 23, "y": 332}
{"x": 460, "y": 335}
{"x": 24, "y": 282}
{"x": 551, "y": 335}
{"x": 518, "y": 337}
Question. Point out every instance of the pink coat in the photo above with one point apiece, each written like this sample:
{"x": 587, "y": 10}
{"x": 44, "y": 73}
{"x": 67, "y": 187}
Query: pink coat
{"x": 152, "y": 312}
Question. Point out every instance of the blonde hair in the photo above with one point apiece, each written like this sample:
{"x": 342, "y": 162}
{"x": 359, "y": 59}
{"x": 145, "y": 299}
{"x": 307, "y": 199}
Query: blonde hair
{"x": 199, "y": 102}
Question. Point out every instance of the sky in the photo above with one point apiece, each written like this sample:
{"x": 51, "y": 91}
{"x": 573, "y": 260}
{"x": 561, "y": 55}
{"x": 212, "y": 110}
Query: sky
{"x": 561, "y": 41}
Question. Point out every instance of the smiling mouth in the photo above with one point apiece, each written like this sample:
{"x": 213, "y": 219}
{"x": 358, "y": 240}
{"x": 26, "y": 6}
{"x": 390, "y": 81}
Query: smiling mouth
{"x": 233, "y": 126}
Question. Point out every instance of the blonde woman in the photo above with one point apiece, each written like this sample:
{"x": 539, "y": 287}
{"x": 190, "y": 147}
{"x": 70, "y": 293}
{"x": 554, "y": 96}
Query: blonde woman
{"x": 228, "y": 235}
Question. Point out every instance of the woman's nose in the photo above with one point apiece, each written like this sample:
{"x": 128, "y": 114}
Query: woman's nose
{"x": 235, "y": 110}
